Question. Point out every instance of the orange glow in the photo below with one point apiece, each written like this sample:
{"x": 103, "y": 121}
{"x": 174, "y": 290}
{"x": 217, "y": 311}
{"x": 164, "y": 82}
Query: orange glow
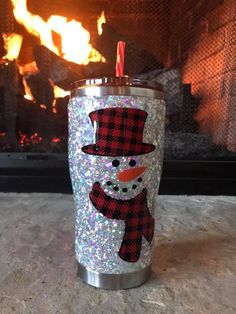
{"x": 75, "y": 39}
{"x": 210, "y": 73}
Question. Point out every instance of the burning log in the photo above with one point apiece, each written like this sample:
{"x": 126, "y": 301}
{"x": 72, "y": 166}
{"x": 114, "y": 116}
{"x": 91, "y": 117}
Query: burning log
{"x": 137, "y": 59}
{"x": 41, "y": 90}
{"x": 63, "y": 72}
{"x": 10, "y": 84}
{"x": 34, "y": 122}
{"x": 2, "y": 48}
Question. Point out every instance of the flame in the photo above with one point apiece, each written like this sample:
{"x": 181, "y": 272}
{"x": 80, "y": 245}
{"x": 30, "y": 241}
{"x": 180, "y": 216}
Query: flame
{"x": 75, "y": 41}
{"x": 75, "y": 38}
{"x": 33, "y": 23}
{"x": 58, "y": 92}
{"x": 28, "y": 69}
{"x": 12, "y": 44}
{"x": 101, "y": 20}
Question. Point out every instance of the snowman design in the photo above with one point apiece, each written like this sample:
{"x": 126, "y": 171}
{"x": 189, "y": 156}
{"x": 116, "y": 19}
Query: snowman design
{"x": 118, "y": 133}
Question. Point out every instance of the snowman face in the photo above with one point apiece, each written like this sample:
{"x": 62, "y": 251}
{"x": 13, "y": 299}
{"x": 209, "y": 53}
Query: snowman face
{"x": 124, "y": 177}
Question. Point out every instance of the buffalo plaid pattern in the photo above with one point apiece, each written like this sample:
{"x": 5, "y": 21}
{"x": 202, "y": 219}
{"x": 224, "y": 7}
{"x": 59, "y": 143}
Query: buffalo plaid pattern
{"x": 118, "y": 132}
{"x": 135, "y": 213}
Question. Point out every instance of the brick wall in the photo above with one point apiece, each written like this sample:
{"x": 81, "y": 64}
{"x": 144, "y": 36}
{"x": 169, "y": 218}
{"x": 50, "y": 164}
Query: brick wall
{"x": 202, "y": 44}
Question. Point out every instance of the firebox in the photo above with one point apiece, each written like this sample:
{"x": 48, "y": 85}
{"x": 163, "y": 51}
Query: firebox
{"x": 186, "y": 45}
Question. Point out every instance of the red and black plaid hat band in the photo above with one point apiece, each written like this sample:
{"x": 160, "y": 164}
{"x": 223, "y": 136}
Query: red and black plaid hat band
{"x": 118, "y": 132}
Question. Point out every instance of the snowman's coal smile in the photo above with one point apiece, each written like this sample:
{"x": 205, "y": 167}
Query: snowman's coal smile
{"x": 124, "y": 189}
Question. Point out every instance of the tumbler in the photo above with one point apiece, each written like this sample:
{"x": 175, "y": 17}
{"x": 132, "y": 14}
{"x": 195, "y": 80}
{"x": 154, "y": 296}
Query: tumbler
{"x": 116, "y": 131}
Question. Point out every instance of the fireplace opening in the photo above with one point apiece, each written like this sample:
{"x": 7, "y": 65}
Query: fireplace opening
{"x": 186, "y": 45}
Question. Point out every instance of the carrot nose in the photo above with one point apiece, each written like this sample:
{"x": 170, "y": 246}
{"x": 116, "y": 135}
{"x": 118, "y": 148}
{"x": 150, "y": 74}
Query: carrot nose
{"x": 130, "y": 174}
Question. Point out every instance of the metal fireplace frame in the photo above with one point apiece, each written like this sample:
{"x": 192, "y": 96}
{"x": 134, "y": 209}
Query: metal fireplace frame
{"x": 41, "y": 173}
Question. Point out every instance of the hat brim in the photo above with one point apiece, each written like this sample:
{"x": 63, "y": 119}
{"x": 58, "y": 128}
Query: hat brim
{"x": 94, "y": 149}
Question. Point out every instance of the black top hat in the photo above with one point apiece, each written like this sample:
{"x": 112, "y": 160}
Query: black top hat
{"x": 118, "y": 132}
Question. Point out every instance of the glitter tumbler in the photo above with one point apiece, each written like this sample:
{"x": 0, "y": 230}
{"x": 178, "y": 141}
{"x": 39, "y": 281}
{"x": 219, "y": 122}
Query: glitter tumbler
{"x": 116, "y": 130}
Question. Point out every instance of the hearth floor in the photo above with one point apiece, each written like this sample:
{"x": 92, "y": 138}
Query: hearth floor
{"x": 194, "y": 267}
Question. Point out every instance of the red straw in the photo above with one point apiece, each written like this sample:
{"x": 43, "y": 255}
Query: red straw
{"x": 120, "y": 58}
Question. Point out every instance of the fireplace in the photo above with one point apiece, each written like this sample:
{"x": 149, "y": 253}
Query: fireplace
{"x": 187, "y": 45}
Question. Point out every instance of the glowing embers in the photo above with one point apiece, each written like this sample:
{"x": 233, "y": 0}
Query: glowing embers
{"x": 26, "y": 140}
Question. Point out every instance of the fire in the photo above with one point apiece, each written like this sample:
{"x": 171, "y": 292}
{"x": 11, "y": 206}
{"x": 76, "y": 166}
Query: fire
{"x": 12, "y": 43}
{"x": 75, "y": 39}
{"x": 33, "y": 23}
{"x": 58, "y": 92}
{"x": 101, "y": 20}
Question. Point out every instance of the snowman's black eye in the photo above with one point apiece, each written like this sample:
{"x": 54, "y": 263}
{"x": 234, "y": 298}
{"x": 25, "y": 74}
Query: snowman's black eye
{"x": 132, "y": 163}
{"x": 115, "y": 163}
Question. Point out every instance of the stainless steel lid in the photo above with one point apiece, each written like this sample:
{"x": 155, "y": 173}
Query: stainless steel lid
{"x": 122, "y": 86}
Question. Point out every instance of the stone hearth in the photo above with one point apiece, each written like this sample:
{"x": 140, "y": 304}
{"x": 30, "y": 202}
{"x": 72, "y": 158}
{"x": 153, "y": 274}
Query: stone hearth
{"x": 194, "y": 268}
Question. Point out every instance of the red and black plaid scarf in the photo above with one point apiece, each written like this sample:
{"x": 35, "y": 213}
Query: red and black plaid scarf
{"x": 135, "y": 213}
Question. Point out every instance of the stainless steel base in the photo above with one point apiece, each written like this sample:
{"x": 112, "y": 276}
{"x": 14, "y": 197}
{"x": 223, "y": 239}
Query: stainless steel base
{"x": 114, "y": 281}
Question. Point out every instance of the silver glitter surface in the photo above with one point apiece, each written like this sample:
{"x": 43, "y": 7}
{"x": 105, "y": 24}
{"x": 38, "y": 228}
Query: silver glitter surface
{"x": 97, "y": 238}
